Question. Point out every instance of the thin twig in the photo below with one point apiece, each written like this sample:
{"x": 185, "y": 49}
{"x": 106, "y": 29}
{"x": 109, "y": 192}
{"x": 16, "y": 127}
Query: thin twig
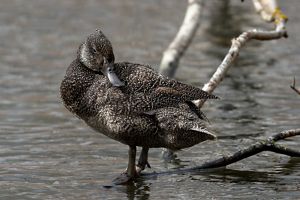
{"x": 294, "y": 87}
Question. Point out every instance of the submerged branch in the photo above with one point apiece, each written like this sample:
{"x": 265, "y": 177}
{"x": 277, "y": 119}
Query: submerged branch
{"x": 265, "y": 145}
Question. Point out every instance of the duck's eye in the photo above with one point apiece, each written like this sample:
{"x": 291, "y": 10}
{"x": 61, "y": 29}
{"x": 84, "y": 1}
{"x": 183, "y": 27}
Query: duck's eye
{"x": 94, "y": 50}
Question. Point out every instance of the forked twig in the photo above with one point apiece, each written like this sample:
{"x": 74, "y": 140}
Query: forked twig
{"x": 294, "y": 87}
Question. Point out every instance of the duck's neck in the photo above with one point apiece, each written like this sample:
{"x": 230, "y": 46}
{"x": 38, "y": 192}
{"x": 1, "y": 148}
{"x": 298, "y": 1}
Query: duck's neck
{"x": 74, "y": 86}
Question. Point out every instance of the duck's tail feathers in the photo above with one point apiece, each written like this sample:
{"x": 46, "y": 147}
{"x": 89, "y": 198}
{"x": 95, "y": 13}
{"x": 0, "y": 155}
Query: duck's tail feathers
{"x": 207, "y": 135}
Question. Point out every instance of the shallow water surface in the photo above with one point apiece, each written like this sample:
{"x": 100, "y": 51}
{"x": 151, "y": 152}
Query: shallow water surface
{"x": 46, "y": 153}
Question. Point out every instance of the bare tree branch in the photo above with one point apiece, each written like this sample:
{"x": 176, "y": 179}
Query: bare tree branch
{"x": 178, "y": 46}
{"x": 269, "y": 11}
{"x": 266, "y": 145}
{"x": 237, "y": 43}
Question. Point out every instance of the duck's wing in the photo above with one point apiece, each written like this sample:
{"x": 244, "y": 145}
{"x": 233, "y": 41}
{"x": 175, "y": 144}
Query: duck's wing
{"x": 147, "y": 90}
{"x": 161, "y": 97}
{"x": 188, "y": 90}
{"x": 142, "y": 78}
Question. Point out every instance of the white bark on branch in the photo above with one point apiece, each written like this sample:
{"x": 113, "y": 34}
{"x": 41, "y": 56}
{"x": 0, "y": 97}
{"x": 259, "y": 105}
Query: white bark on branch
{"x": 238, "y": 43}
{"x": 265, "y": 8}
{"x": 176, "y": 49}
{"x": 270, "y": 11}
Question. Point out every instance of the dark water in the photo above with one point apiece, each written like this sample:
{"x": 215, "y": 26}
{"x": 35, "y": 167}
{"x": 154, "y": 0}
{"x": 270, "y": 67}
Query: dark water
{"x": 46, "y": 153}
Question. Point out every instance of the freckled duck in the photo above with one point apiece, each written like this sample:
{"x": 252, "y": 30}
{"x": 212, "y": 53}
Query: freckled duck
{"x": 131, "y": 103}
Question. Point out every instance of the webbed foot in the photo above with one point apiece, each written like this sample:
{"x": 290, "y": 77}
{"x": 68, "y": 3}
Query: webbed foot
{"x": 142, "y": 165}
{"x": 123, "y": 179}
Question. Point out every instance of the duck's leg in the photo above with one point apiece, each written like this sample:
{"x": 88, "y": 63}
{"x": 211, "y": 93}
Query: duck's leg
{"x": 130, "y": 172}
{"x": 143, "y": 160}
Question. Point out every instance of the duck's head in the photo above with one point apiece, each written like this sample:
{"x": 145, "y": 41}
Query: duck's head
{"x": 96, "y": 53}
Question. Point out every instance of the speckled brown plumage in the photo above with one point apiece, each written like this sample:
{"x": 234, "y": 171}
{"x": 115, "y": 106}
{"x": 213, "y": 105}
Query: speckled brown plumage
{"x": 149, "y": 110}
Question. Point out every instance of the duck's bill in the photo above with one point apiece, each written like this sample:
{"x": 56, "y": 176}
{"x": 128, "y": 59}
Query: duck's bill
{"x": 108, "y": 71}
{"x": 113, "y": 78}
